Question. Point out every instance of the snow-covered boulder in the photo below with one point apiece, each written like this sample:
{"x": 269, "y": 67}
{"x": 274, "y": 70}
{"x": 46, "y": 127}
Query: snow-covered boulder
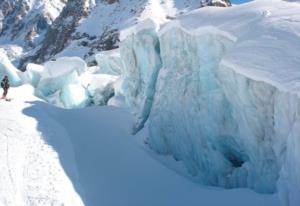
{"x": 7, "y": 68}
{"x": 109, "y": 62}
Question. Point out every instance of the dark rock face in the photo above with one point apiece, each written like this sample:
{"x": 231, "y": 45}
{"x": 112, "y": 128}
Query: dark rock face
{"x": 112, "y": 1}
{"x": 220, "y": 3}
{"x": 24, "y": 21}
{"x": 59, "y": 34}
{"x": 107, "y": 41}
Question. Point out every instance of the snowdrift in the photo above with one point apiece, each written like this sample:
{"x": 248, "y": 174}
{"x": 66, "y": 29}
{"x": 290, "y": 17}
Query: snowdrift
{"x": 221, "y": 94}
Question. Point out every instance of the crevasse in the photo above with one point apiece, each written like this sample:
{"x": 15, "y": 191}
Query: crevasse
{"x": 228, "y": 129}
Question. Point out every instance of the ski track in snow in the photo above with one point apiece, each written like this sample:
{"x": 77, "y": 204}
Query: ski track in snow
{"x": 30, "y": 171}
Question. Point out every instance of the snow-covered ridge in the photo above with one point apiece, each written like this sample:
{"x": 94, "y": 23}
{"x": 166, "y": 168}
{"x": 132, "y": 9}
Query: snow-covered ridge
{"x": 79, "y": 27}
{"x": 25, "y": 22}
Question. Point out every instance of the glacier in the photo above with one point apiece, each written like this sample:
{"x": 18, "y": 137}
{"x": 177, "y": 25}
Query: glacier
{"x": 101, "y": 88}
{"x": 60, "y": 83}
{"x": 110, "y": 62}
{"x": 69, "y": 83}
{"x": 32, "y": 75}
{"x": 140, "y": 53}
{"x": 7, "y": 68}
{"x": 220, "y": 97}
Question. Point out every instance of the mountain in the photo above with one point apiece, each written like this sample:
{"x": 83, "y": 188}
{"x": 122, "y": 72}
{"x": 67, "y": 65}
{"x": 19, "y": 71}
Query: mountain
{"x": 211, "y": 95}
{"x": 24, "y": 23}
{"x": 37, "y": 30}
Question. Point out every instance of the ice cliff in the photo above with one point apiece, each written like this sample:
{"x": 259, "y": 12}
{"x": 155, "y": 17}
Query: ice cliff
{"x": 66, "y": 82}
{"x": 221, "y": 94}
{"x": 7, "y": 68}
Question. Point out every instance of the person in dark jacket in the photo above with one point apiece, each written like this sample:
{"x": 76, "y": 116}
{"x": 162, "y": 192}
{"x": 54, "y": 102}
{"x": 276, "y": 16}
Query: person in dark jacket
{"x": 5, "y": 86}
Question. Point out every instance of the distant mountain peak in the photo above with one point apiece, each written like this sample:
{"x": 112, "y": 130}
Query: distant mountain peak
{"x": 47, "y": 28}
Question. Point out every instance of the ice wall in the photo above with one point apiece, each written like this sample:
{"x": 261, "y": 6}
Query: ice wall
{"x": 269, "y": 121}
{"x": 32, "y": 75}
{"x": 60, "y": 84}
{"x": 68, "y": 83}
{"x": 140, "y": 53}
{"x": 195, "y": 119}
{"x": 7, "y": 68}
{"x": 101, "y": 88}
{"x": 109, "y": 62}
{"x": 229, "y": 129}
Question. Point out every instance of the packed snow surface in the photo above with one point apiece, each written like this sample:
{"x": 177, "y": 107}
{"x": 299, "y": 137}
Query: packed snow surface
{"x": 31, "y": 163}
{"x": 51, "y": 156}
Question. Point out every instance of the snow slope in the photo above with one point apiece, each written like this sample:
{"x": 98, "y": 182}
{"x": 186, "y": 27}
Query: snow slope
{"x": 29, "y": 28}
{"x": 100, "y": 30}
{"x": 31, "y": 171}
{"x": 50, "y": 156}
{"x": 25, "y": 22}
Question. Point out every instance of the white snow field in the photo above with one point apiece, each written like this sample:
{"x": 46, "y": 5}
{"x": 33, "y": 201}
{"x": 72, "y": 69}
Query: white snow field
{"x": 32, "y": 154}
{"x": 53, "y": 157}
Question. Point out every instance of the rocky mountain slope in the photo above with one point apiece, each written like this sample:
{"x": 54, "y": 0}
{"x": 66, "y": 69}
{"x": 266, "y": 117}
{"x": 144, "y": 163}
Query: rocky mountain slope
{"x": 42, "y": 29}
{"x": 23, "y": 24}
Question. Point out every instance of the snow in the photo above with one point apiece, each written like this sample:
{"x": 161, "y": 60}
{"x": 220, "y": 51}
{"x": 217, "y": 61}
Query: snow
{"x": 141, "y": 60}
{"x": 31, "y": 171}
{"x": 276, "y": 31}
{"x": 101, "y": 88}
{"x": 36, "y": 11}
{"x": 109, "y": 62}
{"x": 74, "y": 96}
{"x": 68, "y": 83}
{"x": 64, "y": 65}
{"x": 7, "y": 68}
{"x": 124, "y": 14}
{"x": 32, "y": 75}
{"x": 219, "y": 88}
{"x": 61, "y": 85}
{"x": 88, "y": 157}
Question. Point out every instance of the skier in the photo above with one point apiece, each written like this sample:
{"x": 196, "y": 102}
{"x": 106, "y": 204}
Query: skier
{"x": 5, "y": 86}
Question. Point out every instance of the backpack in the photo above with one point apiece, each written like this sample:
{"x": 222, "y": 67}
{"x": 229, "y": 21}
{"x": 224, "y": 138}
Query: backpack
{"x": 2, "y": 84}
